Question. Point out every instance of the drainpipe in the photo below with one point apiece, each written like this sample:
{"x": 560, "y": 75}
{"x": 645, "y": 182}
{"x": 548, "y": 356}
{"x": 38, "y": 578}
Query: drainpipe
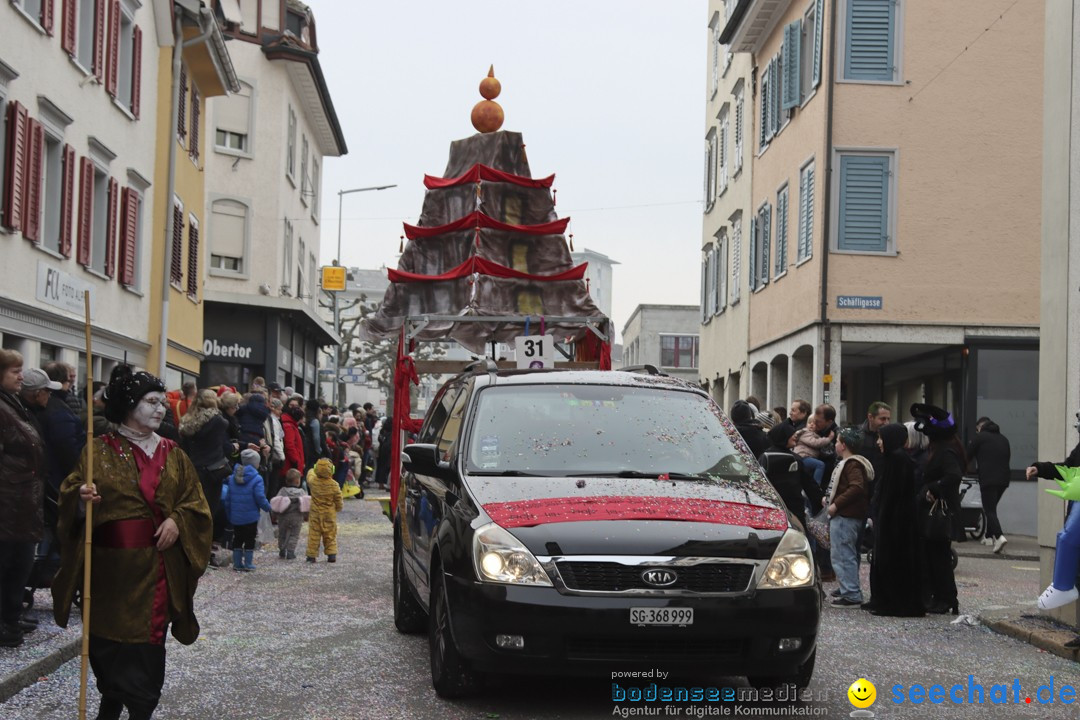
{"x": 166, "y": 278}
{"x": 827, "y": 204}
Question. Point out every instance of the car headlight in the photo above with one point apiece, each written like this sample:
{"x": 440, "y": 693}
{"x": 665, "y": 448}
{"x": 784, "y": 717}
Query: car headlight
{"x": 791, "y": 566}
{"x": 500, "y": 557}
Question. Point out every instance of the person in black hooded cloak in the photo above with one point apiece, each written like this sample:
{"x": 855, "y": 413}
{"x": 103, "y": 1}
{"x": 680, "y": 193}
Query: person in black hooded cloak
{"x": 896, "y": 571}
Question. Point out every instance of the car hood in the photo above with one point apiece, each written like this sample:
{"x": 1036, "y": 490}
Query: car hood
{"x": 634, "y": 516}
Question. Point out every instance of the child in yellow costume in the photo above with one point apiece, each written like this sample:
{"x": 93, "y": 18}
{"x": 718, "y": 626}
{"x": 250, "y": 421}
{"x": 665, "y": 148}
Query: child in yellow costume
{"x": 326, "y": 502}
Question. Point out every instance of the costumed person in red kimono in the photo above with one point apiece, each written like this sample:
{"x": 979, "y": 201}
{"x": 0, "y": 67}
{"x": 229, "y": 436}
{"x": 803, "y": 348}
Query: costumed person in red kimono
{"x": 151, "y": 543}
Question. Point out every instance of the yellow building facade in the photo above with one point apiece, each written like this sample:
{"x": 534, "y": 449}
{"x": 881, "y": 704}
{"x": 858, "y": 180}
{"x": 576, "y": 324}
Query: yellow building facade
{"x": 200, "y": 70}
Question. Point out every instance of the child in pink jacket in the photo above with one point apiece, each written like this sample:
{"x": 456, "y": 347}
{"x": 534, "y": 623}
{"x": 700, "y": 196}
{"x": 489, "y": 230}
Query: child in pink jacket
{"x": 808, "y": 446}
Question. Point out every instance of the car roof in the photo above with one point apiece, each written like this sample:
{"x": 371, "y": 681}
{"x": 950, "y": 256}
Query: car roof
{"x": 559, "y": 376}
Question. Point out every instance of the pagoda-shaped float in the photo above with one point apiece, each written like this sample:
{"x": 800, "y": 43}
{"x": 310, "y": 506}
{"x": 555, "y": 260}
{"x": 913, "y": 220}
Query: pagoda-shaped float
{"x": 488, "y": 259}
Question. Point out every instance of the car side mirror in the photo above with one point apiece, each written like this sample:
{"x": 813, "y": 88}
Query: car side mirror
{"x": 423, "y": 459}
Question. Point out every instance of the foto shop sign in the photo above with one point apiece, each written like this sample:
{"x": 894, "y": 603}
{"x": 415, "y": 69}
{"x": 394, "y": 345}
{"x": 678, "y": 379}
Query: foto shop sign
{"x": 248, "y": 353}
{"x": 61, "y": 290}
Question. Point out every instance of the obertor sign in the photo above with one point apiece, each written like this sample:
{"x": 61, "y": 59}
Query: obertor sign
{"x": 236, "y": 350}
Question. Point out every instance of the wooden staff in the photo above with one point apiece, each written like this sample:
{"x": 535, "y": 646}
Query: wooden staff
{"x": 89, "y": 530}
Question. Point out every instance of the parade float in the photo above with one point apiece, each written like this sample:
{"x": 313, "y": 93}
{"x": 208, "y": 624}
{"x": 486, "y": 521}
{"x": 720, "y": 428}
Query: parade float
{"x": 488, "y": 262}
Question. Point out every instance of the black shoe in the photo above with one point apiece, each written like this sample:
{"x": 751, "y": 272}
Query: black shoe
{"x": 26, "y": 627}
{"x": 331, "y": 558}
{"x": 290, "y": 555}
{"x": 310, "y": 559}
{"x": 10, "y": 636}
{"x": 281, "y": 553}
{"x": 835, "y": 593}
{"x": 845, "y": 603}
{"x": 943, "y": 608}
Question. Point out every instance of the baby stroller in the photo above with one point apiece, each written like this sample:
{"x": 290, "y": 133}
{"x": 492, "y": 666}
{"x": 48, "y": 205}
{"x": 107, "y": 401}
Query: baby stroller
{"x": 971, "y": 518}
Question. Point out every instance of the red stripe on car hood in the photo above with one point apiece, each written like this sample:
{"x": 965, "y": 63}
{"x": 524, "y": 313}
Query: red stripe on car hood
{"x": 528, "y": 513}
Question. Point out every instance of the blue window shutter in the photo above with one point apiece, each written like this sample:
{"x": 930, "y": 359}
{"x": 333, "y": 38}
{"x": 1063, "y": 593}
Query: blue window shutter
{"x": 766, "y": 104}
{"x": 864, "y": 203}
{"x": 869, "y": 51}
{"x": 753, "y": 253}
{"x": 819, "y": 24}
{"x": 704, "y": 289}
{"x": 806, "y": 214}
{"x": 791, "y": 55}
{"x": 774, "y": 94}
{"x": 781, "y": 232}
{"x": 766, "y": 231}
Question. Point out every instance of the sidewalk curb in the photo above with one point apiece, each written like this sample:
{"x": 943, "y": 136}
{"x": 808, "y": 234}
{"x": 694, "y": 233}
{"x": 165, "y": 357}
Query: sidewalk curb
{"x": 19, "y": 680}
{"x": 1022, "y": 557}
{"x": 1029, "y": 631}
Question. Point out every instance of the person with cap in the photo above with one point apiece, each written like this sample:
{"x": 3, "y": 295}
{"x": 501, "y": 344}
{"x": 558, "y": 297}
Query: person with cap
{"x": 896, "y": 571}
{"x": 151, "y": 544}
{"x": 743, "y": 415}
{"x": 326, "y": 503}
{"x": 21, "y": 491}
{"x": 243, "y": 497}
{"x": 941, "y": 483}
{"x": 847, "y": 500}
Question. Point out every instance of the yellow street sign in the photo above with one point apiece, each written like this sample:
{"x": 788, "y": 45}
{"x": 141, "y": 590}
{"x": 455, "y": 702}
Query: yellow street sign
{"x": 826, "y": 379}
{"x": 333, "y": 278}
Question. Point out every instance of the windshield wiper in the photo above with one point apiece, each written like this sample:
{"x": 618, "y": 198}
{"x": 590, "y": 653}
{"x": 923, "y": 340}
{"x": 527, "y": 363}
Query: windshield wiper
{"x": 648, "y": 475}
{"x": 506, "y": 473}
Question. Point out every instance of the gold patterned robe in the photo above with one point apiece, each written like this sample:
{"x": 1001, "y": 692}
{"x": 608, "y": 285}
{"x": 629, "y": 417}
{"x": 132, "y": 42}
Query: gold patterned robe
{"x": 123, "y": 580}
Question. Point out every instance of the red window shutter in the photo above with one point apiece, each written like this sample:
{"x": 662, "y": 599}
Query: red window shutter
{"x": 110, "y": 228}
{"x": 35, "y": 140}
{"x": 67, "y": 33}
{"x": 67, "y": 201}
{"x": 129, "y": 219}
{"x": 47, "y": 16}
{"x": 86, "y": 210}
{"x": 196, "y": 114}
{"x": 193, "y": 261}
{"x": 15, "y": 166}
{"x": 181, "y": 111}
{"x": 136, "y": 71}
{"x": 112, "y": 70}
{"x": 101, "y": 11}
{"x": 176, "y": 268}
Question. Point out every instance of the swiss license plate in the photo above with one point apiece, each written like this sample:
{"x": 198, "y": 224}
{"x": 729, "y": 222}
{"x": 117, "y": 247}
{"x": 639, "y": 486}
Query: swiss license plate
{"x": 661, "y": 616}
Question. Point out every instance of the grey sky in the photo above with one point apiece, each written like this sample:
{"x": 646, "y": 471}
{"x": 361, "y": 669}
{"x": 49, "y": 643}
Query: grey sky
{"x": 608, "y": 95}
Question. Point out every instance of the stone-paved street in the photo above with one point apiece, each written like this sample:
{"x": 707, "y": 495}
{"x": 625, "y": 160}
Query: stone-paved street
{"x": 294, "y": 641}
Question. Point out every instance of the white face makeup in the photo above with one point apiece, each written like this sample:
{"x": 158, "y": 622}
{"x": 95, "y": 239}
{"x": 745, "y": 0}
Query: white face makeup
{"x": 148, "y": 413}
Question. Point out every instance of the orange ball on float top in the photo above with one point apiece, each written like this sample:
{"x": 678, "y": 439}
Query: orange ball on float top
{"x": 487, "y": 115}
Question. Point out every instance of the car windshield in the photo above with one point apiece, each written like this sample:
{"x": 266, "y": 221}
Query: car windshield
{"x": 624, "y": 430}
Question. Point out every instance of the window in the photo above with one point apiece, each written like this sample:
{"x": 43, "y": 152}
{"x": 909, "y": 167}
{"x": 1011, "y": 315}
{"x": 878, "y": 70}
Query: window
{"x": 249, "y": 16}
{"x": 780, "y": 264}
{"x": 790, "y": 56}
{"x": 708, "y": 285}
{"x": 294, "y": 23}
{"x": 193, "y": 258}
{"x": 130, "y": 237}
{"x": 290, "y": 157}
{"x": 286, "y": 266}
{"x": 39, "y": 11}
{"x": 722, "y": 159}
{"x": 714, "y": 261}
{"x": 232, "y": 120}
{"x": 98, "y": 250}
{"x": 810, "y": 52}
{"x": 679, "y": 351}
{"x": 304, "y": 169}
{"x": 196, "y": 121}
{"x": 52, "y": 186}
{"x": 314, "y": 188}
{"x": 228, "y": 235}
{"x": 714, "y": 45}
{"x": 710, "y": 169}
{"x": 313, "y": 274}
{"x": 764, "y": 118}
{"x": 301, "y": 285}
{"x": 176, "y": 256}
{"x": 124, "y": 63}
{"x": 806, "y": 212}
{"x": 865, "y": 206}
{"x": 89, "y": 37}
{"x": 181, "y": 108}
{"x": 819, "y": 23}
{"x": 736, "y": 255}
{"x": 760, "y": 231}
{"x": 721, "y": 273}
{"x": 739, "y": 110}
{"x": 870, "y": 28}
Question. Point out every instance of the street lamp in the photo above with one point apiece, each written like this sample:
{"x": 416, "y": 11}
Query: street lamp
{"x": 337, "y": 261}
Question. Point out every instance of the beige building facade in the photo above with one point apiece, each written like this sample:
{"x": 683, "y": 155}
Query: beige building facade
{"x": 727, "y": 193}
{"x": 894, "y": 210}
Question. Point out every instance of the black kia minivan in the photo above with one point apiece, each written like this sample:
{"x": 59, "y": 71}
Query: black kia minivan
{"x": 570, "y": 522}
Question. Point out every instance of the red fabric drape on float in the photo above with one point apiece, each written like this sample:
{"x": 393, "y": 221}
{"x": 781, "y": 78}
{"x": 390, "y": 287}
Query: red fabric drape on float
{"x": 480, "y": 172}
{"x": 481, "y": 266}
{"x": 477, "y": 219}
{"x": 404, "y": 373}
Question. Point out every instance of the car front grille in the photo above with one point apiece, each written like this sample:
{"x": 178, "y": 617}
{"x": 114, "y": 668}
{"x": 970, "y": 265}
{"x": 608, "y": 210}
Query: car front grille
{"x": 651, "y": 648}
{"x": 716, "y": 577}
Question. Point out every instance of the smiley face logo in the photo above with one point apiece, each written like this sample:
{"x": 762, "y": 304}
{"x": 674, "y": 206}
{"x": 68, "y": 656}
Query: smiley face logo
{"x": 862, "y": 693}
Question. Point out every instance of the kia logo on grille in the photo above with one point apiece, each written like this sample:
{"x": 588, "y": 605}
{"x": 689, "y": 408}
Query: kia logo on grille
{"x": 659, "y": 578}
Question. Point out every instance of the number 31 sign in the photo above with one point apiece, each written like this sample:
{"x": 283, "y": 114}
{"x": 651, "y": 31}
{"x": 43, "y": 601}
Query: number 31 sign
{"x": 535, "y": 351}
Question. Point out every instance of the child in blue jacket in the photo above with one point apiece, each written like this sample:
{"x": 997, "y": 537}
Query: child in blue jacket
{"x": 242, "y": 498}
